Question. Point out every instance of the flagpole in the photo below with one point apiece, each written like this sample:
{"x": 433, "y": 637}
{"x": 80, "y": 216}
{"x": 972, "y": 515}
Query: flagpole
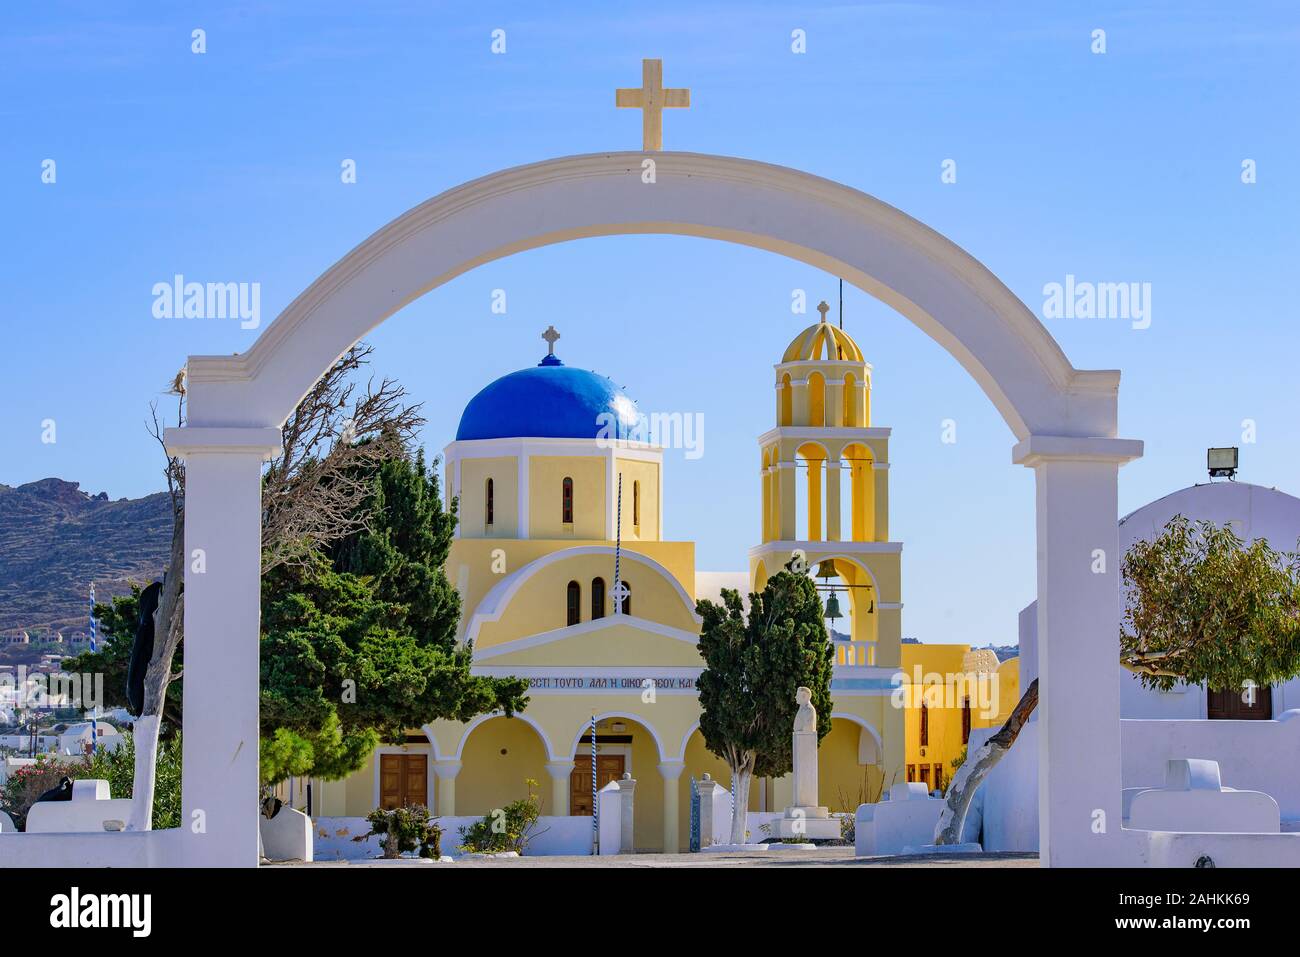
{"x": 595, "y": 808}
{"x": 94, "y": 645}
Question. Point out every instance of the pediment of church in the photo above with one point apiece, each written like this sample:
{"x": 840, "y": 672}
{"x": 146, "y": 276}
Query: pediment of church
{"x": 621, "y": 641}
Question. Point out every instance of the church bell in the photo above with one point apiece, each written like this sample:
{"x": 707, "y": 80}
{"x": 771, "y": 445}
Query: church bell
{"x": 832, "y": 606}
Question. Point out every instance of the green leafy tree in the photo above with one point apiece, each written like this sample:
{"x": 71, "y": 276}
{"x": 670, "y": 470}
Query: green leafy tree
{"x": 117, "y": 622}
{"x": 358, "y": 639}
{"x": 403, "y": 830}
{"x": 114, "y": 765}
{"x": 360, "y": 644}
{"x": 506, "y": 829}
{"x": 1200, "y": 606}
{"x": 1203, "y": 607}
{"x": 752, "y": 670}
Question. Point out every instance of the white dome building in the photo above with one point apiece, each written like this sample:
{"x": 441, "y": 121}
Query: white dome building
{"x": 1254, "y": 512}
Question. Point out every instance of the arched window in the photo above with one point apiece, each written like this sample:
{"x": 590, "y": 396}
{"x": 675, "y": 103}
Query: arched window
{"x": 567, "y": 501}
{"x": 597, "y": 598}
{"x": 816, "y": 400}
{"x": 787, "y": 401}
{"x": 850, "y": 400}
{"x": 925, "y": 726}
{"x": 627, "y": 601}
{"x": 636, "y": 503}
{"x": 574, "y": 603}
{"x": 488, "y": 504}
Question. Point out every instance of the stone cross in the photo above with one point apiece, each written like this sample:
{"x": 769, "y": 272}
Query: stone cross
{"x": 823, "y": 309}
{"x": 550, "y": 335}
{"x": 619, "y": 594}
{"x": 652, "y": 99}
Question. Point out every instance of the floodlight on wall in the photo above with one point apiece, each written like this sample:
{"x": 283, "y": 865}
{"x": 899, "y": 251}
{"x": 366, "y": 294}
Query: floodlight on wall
{"x": 1221, "y": 462}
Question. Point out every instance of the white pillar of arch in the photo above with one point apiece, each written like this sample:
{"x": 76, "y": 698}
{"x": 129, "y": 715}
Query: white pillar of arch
{"x": 1079, "y": 783}
{"x": 561, "y": 772}
{"x": 446, "y": 772}
{"x": 671, "y": 772}
{"x": 223, "y": 546}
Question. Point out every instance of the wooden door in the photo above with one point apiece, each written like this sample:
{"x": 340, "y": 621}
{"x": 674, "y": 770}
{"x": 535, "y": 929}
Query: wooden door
{"x": 403, "y": 780}
{"x": 1228, "y": 705}
{"x": 609, "y": 767}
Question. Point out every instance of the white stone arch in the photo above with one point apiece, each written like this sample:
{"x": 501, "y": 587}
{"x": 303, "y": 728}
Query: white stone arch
{"x": 686, "y": 740}
{"x": 640, "y": 719}
{"x": 809, "y": 488}
{"x": 854, "y": 560}
{"x": 469, "y": 729}
{"x": 923, "y": 275}
{"x": 1065, "y": 420}
{"x": 815, "y": 443}
{"x": 857, "y": 562}
{"x": 866, "y": 729}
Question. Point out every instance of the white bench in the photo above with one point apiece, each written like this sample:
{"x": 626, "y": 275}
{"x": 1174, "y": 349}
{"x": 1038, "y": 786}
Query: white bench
{"x": 91, "y": 809}
{"x": 905, "y": 819}
{"x": 1194, "y": 799}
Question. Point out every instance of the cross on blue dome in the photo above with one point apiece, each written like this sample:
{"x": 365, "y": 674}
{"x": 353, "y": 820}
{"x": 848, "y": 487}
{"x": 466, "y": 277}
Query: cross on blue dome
{"x": 550, "y": 400}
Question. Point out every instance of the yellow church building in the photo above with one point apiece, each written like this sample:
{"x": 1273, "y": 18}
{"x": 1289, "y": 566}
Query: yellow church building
{"x": 561, "y": 516}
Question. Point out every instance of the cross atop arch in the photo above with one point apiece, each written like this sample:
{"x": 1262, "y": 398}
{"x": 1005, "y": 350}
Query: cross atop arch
{"x": 651, "y": 99}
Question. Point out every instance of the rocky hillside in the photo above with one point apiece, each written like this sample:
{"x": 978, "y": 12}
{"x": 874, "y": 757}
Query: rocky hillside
{"x": 55, "y": 539}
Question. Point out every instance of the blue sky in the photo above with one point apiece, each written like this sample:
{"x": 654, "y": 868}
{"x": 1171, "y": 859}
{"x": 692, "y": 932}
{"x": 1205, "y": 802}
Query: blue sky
{"x": 1121, "y": 167}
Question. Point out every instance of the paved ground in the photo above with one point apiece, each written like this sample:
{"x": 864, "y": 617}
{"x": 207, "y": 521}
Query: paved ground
{"x": 825, "y": 857}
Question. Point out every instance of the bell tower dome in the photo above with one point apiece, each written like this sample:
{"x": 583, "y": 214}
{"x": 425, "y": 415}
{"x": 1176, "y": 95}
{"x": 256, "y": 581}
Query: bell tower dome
{"x": 823, "y": 380}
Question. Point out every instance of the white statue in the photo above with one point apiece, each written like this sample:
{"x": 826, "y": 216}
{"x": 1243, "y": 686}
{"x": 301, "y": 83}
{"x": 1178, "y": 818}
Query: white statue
{"x": 805, "y": 750}
{"x": 805, "y": 718}
{"x": 805, "y": 819}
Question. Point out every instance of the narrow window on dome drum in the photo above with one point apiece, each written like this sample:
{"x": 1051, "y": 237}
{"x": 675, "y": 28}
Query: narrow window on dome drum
{"x": 636, "y": 504}
{"x": 597, "y": 598}
{"x": 488, "y": 504}
{"x": 567, "y": 501}
{"x": 574, "y": 603}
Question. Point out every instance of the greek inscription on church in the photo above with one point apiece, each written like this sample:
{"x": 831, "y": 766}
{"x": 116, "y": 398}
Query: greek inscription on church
{"x": 557, "y": 683}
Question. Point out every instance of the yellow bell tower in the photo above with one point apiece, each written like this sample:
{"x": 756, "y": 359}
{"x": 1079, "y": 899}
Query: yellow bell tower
{"x": 825, "y": 476}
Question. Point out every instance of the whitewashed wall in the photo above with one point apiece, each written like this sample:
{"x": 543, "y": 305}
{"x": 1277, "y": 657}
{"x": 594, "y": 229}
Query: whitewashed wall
{"x": 1252, "y": 756}
{"x": 554, "y": 836}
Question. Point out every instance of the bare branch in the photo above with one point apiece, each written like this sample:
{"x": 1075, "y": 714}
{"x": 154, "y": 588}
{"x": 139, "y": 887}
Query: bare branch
{"x": 314, "y": 492}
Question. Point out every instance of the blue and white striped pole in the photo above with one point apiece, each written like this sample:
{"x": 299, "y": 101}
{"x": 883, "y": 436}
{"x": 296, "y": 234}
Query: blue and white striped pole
{"x": 595, "y": 808}
{"x": 619, "y": 591}
{"x": 94, "y": 645}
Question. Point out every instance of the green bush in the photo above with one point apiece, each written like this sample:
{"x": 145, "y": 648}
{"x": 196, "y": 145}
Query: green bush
{"x": 26, "y": 784}
{"x": 506, "y": 829}
{"x": 405, "y": 829}
{"x": 116, "y": 766}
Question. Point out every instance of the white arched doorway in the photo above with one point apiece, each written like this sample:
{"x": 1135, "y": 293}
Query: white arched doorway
{"x": 1064, "y": 420}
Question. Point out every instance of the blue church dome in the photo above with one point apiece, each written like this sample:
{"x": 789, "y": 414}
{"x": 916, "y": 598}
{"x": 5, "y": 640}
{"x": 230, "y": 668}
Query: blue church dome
{"x": 550, "y": 400}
